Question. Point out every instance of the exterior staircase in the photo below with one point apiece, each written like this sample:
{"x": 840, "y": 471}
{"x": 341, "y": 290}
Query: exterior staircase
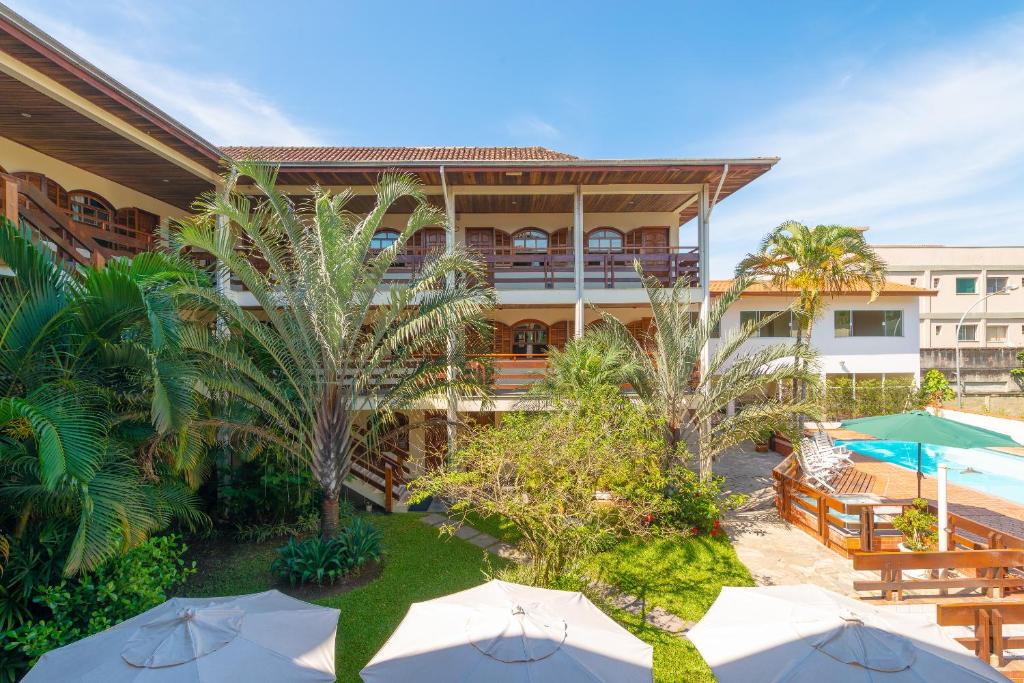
{"x": 27, "y": 206}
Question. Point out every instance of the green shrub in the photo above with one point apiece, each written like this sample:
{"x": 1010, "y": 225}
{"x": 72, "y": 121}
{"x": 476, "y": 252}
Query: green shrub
{"x": 871, "y": 397}
{"x": 265, "y": 491}
{"x": 935, "y": 389}
{"x": 126, "y": 586}
{"x": 694, "y": 505}
{"x": 322, "y": 560}
{"x": 363, "y": 542}
{"x": 917, "y": 526}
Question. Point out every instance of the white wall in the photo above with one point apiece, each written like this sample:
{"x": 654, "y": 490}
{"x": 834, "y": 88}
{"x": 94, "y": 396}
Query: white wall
{"x": 844, "y": 355}
{"x": 1012, "y": 428}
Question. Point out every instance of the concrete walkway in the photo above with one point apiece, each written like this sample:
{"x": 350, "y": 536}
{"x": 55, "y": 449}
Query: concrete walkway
{"x": 775, "y": 552}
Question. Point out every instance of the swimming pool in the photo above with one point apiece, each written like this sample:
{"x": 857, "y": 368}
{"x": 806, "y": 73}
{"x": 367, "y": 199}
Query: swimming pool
{"x": 998, "y": 474}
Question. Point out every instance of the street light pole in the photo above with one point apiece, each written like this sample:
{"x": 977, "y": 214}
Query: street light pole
{"x": 959, "y": 377}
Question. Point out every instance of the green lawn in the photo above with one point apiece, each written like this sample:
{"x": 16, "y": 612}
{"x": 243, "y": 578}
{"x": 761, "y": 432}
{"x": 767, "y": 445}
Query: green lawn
{"x": 683, "y": 576}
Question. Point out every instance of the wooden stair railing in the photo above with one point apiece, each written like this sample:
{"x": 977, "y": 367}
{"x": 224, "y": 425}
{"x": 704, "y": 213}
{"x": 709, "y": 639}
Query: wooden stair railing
{"x": 50, "y": 223}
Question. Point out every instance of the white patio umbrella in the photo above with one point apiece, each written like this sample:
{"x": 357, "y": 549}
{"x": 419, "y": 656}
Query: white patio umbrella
{"x": 806, "y": 633}
{"x": 246, "y": 638}
{"x": 506, "y": 633}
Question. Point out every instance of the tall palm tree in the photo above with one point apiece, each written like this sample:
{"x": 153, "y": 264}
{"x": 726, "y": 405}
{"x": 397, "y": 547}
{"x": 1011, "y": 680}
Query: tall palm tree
{"x": 96, "y": 401}
{"x": 329, "y": 338}
{"x": 825, "y": 260}
{"x": 693, "y": 400}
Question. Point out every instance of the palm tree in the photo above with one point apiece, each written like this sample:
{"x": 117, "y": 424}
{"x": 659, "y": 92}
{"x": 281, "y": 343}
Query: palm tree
{"x": 584, "y": 366}
{"x": 819, "y": 261}
{"x": 329, "y": 339}
{"x": 96, "y": 401}
{"x": 693, "y": 401}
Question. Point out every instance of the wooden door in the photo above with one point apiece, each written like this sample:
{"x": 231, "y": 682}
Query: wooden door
{"x": 653, "y": 243}
{"x": 480, "y": 239}
{"x": 430, "y": 240}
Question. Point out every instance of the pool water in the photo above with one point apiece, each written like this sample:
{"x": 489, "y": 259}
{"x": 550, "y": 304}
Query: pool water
{"x": 995, "y": 473}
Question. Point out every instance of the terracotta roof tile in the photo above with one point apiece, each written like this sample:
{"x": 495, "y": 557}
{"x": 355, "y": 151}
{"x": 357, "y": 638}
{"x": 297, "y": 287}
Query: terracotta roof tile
{"x": 395, "y": 154}
{"x": 890, "y": 288}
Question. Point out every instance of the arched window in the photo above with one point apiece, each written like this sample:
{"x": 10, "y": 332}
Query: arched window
{"x": 530, "y": 241}
{"x": 90, "y": 208}
{"x": 605, "y": 240}
{"x": 382, "y": 239}
{"x": 530, "y": 337}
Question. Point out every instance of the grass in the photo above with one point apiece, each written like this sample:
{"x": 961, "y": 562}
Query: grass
{"x": 495, "y": 525}
{"x": 680, "y": 575}
{"x": 418, "y": 566}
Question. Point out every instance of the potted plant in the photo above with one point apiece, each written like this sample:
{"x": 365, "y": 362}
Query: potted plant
{"x": 917, "y": 525}
{"x": 762, "y": 440}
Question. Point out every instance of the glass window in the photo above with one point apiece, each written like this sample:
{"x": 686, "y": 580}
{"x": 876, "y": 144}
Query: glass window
{"x": 382, "y": 239}
{"x": 529, "y": 338}
{"x": 86, "y": 208}
{"x": 781, "y": 326}
{"x": 913, "y": 281}
{"x": 935, "y": 283}
{"x": 530, "y": 240}
{"x": 967, "y": 333}
{"x": 869, "y": 323}
{"x": 967, "y": 285}
{"x": 996, "y": 334}
{"x": 605, "y": 240}
{"x": 994, "y": 284}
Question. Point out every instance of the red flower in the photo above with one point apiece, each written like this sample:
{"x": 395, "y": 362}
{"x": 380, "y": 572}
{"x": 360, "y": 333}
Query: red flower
{"x": 714, "y": 532}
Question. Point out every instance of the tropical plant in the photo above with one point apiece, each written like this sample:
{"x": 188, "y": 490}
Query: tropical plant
{"x": 917, "y": 526}
{"x": 1017, "y": 374}
{"x": 586, "y": 364}
{"x": 935, "y": 389}
{"x": 328, "y": 338}
{"x": 124, "y": 587}
{"x": 693, "y": 401}
{"x": 98, "y": 444}
{"x": 322, "y": 560}
{"x": 826, "y": 260}
{"x": 567, "y": 480}
{"x": 696, "y": 505}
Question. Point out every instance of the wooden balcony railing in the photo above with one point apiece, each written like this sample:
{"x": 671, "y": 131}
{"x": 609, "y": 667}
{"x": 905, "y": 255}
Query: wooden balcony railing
{"x": 99, "y": 224}
{"x": 510, "y": 268}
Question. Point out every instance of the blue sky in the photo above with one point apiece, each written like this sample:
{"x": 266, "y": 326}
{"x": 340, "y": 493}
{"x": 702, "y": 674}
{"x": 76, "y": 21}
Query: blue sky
{"x": 907, "y": 117}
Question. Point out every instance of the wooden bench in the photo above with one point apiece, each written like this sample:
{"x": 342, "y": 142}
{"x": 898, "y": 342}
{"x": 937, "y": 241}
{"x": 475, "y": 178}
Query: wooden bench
{"x": 988, "y": 618}
{"x": 991, "y": 566}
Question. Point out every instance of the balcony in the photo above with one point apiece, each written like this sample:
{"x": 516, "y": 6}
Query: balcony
{"x": 509, "y": 268}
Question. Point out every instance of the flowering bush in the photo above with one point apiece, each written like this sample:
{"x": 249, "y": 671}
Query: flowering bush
{"x": 697, "y": 505}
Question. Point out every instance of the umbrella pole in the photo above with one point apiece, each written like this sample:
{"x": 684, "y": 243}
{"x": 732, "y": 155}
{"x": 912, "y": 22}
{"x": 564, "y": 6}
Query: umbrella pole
{"x": 919, "y": 475}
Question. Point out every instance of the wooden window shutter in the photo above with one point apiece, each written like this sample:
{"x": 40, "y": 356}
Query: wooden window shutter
{"x": 558, "y": 334}
{"x": 502, "y": 338}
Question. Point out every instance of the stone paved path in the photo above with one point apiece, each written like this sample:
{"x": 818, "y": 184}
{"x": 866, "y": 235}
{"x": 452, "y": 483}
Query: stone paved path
{"x": 775, "y": 552}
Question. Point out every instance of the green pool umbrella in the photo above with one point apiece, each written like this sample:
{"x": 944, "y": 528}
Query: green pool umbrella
{"x": 920, "y": 426}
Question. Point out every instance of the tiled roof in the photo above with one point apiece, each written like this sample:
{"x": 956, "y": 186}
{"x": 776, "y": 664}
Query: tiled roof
{"x": 890, "y": 288}
{"x": 395, "y": 154}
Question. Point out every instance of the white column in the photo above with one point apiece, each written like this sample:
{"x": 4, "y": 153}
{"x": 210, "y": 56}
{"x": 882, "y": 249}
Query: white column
{"x": 577, "y": 250}
{"x": 703, "y": 277}
{"x": 452, "y": 415}
{"x": 943, "y": 505}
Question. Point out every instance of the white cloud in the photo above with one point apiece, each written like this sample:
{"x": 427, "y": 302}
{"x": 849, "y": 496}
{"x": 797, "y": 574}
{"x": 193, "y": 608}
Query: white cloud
{"x": 533, "y": 129}
{"x": 929, "y": 150}
{"x": 219, "y": 108}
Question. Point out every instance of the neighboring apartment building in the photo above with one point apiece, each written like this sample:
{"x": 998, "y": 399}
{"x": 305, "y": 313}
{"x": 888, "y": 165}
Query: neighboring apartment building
{"x": 993, "y": 331}
{"x": 855, "y": 337}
